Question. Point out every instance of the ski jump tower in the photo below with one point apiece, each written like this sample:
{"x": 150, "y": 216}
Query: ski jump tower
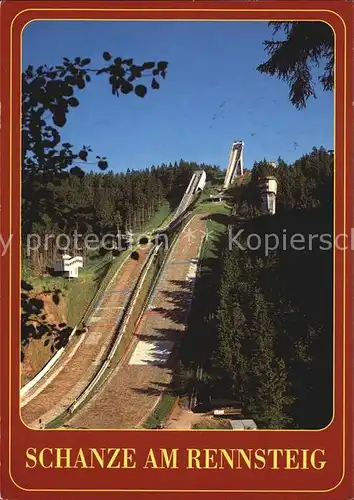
{"x": 195, "y": 185}
{"x": 235, "y": 166}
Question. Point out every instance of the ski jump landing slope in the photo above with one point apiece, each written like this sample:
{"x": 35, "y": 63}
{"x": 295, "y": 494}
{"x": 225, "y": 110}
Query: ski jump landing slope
{"x": 134, "y": 388}
{"x": 66, "y": 380}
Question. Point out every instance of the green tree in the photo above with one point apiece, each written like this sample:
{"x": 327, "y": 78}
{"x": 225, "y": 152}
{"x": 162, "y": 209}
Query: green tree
{"x": 48, "y": 94}
{"x": 307, "y": 45}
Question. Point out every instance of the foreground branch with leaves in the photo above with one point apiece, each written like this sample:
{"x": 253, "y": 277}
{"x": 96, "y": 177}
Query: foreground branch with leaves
{"x": 49, "y": 92}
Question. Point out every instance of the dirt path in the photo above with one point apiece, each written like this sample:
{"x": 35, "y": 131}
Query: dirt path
{"x": 134, "y": 387}
{"x": 182, "y": 419}
{"x": 78, "y": 364}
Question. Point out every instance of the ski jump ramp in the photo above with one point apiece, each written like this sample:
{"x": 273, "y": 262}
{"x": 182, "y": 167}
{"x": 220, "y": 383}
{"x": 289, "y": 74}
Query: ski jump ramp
{"x": 235, "y": 166}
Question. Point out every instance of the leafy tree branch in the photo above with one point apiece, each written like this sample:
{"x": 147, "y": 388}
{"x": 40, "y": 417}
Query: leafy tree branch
{"x": 307, "y": 45}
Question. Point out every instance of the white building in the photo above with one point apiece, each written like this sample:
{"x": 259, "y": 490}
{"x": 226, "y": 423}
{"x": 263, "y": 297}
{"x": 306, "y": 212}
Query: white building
{"x": 69, "y": 266}
{"x": 197, "y": 182}
{"x": 268, "y": 187}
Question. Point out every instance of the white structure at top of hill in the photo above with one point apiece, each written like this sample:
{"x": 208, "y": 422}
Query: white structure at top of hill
{"x": 195, "y": 185}
{"x": 235, "y": 166}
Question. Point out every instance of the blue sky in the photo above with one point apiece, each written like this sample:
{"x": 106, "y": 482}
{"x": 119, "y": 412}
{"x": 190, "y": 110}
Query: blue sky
{"x": 212, "y": 94}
